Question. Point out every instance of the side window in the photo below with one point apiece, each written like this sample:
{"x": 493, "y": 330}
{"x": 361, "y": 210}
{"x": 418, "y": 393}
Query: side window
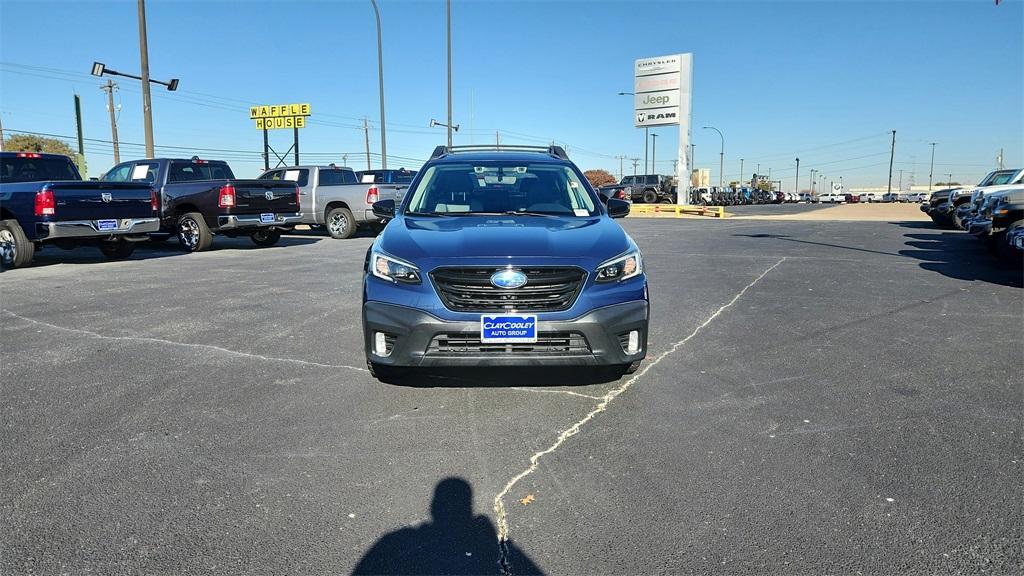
{"x": 627, "y": 181}
{"x": 652, "y": 179}
{"x": 143, "y": 172}
{"x": 118, "y": 173}
{"x": 300, "y": 177}
{"x": 272, "y": 175}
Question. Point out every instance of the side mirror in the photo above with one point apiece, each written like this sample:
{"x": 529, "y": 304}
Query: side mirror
{"x": 617, "y": 208}
{"x": 384, "y": 209}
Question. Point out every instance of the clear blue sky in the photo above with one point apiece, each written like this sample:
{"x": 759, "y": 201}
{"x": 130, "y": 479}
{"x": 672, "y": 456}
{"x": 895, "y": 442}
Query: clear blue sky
{"x": 825, "y": 81}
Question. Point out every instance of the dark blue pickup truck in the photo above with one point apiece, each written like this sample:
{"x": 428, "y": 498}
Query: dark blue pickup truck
{"x": 43, "y": 200}
{"x": 200, "y": 198}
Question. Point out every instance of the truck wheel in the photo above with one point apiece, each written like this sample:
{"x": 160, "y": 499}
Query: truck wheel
{"x": 193, "y": 233}
{"x": 15, "y": 249}
{"x": 650, "y": 196}
{"x": 266, "y": 237}
{"x": 386, "y": 374}
{"x": 117, "y": 249}
{"x": 340, "y": 223}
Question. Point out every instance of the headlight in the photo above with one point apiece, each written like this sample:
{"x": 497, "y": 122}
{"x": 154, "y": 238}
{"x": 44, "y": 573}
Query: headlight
{"x": 392, "y": 269}
{"x": 620, "y": 268}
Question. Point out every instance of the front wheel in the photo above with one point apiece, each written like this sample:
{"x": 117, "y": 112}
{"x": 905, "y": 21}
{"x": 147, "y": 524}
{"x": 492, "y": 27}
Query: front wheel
{"x": 386, "y": 374}
{"x": 15, "y": 249}
{"x": 265, "y": 238}
{"x": 340, "y": 223}
{"x": 117, "y": 249}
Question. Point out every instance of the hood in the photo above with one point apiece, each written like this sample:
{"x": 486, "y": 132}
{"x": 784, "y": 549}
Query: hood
{"x": 489, "y": 237}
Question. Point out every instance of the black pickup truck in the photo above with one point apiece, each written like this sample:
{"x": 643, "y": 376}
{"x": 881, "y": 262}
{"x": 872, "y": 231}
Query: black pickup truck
{"x": 43, "y": 200}
{"x": 200, "y": 198}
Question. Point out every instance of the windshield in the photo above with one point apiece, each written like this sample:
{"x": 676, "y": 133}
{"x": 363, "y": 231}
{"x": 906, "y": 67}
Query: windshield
{"x": 182, "y": 171}
{"x": 494, "y": 187}
{"x": 999, "y": 178}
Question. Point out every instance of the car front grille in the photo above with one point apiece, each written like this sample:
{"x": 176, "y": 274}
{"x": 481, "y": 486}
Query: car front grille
{"x": 547, "y": 289}
{"x": 469, "y": 344}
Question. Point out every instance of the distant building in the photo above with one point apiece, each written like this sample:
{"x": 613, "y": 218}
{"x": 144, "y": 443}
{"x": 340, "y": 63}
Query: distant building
{"x": 700, "y": 178}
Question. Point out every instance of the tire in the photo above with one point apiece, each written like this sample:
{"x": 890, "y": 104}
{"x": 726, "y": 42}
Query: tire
{"x": 1004, "y": 249}
{"x": 265, "y": 237}
{"x": 15, "y": 249}
{"x": 193, "y": 233}
{"x": 650, "y": 197}
{"x": 117, "y": 249}
{"x": 339, "y": 223}
{"x": 386, "y": 374}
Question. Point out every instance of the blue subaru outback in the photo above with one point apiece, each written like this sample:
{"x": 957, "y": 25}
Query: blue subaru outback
{"x": 502, "y": 257}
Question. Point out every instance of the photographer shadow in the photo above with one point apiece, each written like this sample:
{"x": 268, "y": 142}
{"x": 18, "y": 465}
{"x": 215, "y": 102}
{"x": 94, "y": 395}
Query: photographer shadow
{"x": 453, "y": 542}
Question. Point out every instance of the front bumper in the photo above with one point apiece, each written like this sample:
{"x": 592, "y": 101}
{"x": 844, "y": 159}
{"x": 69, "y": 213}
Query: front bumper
{"x": 233, "y": 221}
{"x": 90, "y": 228}
{"x": 413, "y": 335}
{"x": 979, "y": 227}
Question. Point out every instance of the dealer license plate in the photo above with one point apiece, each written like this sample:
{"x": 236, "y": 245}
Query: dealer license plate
{"x": 508, "y": 329}
{"x": 106, "y": 225}
{"x": 266, "y": 218}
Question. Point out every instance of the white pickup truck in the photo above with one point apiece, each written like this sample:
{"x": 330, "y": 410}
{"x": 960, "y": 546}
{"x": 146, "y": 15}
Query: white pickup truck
{"x": 333, "y": 197}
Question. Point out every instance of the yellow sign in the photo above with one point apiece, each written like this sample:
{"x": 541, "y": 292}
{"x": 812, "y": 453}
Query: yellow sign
{"x": 278, "y": 111}
{"x": 281, "y": 123}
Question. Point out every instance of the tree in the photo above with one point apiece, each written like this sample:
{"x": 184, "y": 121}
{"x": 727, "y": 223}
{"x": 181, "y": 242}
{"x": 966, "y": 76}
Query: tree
{"x": 33, "y": 143}
{"x": 599, "y": 178}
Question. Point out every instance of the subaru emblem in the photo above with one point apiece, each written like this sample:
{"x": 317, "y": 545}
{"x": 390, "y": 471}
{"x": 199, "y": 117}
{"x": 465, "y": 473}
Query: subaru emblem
{"x": 508, "y": 279}
{"x": 269, "y": 194}
{"x": 106, "y": 196}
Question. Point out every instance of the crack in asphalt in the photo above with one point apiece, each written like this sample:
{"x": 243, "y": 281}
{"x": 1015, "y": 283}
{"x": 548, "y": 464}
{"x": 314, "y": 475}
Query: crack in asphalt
{"x": 183, "y": 344}
{"x": 499, "y": 500}
{"x": 569, "y": 392}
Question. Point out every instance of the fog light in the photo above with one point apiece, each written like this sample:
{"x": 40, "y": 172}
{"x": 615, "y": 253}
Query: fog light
{"x": 380, "y": 345}
{"x": 633, "y": 345}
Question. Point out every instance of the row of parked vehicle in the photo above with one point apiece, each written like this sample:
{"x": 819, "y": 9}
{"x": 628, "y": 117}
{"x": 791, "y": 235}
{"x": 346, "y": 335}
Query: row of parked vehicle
{"x": 992, "y": 211}
{"x": 44, "y": 201}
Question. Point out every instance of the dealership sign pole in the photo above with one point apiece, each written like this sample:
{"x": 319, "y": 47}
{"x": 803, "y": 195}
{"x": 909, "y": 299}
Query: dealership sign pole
{"x": 662, "y": 91}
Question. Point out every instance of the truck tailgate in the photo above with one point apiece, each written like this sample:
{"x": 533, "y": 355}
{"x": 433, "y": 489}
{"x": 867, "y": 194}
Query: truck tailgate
{"x": 89, "y": 200}
{"x": 274, "y": 196}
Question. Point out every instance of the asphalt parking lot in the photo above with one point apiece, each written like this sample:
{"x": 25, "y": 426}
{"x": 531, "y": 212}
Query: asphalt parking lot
{"x": 819, "y": 397}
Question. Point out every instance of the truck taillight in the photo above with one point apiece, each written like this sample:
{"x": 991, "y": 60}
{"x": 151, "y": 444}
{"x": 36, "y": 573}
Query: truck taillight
{"x": 620, "y": 194}
{"x": 372, "y": 195}
{"x": 226, "y": 198}
{"x": 29, "y": 155}
{"x": 298, "y": 201}
{"x": 154, "y": 201}
{"x": 45, "y": 204}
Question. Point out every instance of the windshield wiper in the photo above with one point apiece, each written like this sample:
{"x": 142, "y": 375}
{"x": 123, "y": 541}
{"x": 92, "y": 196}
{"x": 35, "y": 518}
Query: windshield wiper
{"x": 428, "y": 213}
{"x": 530, "y": 213}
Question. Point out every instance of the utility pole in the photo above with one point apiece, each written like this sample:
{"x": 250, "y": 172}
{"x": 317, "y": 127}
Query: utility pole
{"x": 380, "y": 78}
{"x": 1000, "y": 158}
{"x": 621, "y": 158}
{"x": 931, "y": 167}
{"x": 147, "y": 108}
{"x": 1, "y": 133}
{"x": 654, "y": 150}
{"x": 497, "y": 139}
{"x": 950, "y": 181}
{"x": 109, "y": 89}
{"x": 344, "y": 160}
{"x": 892, "y": 154}
{"x": 899, "y": 187}
{"x": 449, "y": 7}
{"x": 741, "y": 172}
{"x": 635, "y": 162}
{"x": 366, "y": 133}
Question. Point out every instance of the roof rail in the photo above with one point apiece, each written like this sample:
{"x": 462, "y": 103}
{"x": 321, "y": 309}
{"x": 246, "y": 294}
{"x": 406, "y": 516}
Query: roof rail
{"x": 556, "y": 151}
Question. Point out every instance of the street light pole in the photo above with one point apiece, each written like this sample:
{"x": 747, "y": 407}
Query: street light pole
{"x": 741, "y": 171}
{"x": 796, "y": 182}
{"x": 721, "y": 155}
{"x": 931, "y": 168}
{"x": 654, "y": 149}
{"x": 380, "y": 79}
{"x": 449, "y": 19}
{"x": 647, "y": 140}
{"x": 892, "y": 154}
{"x": 147, "y": 109}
